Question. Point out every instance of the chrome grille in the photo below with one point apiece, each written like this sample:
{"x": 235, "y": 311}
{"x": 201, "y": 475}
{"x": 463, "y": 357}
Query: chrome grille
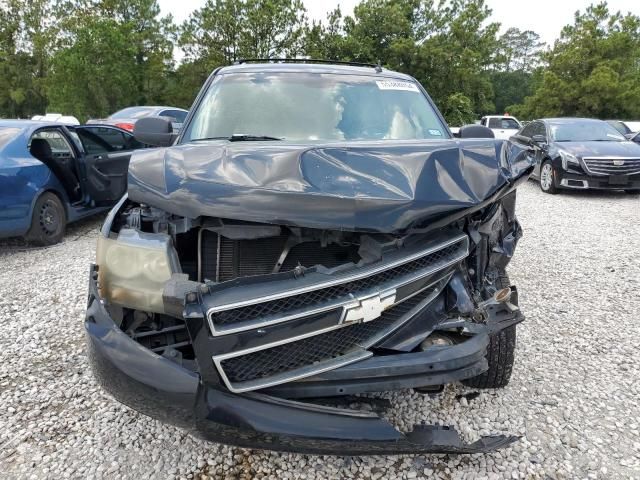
{"x": 320, "y": 352}
{"x": 612, "y": 166}
{"x": 343, "y": 289}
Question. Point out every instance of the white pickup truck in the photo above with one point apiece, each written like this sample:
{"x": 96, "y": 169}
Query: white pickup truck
{"x": 503, "y": 126}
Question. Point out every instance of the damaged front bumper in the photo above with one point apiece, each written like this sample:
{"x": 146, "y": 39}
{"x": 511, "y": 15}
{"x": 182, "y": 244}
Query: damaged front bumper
{"x": 160, "y": 388}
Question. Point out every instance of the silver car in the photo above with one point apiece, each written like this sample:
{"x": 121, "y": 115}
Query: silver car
{"x": 127, "y": 117}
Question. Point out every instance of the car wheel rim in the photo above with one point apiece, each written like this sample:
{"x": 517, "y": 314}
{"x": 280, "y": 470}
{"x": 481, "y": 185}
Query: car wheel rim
{"x": 49, "y": 218}
{"x": 546, "y": 177}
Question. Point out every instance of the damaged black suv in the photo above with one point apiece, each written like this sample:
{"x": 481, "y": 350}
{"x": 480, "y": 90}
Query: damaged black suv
{"x": 314, "y": 231}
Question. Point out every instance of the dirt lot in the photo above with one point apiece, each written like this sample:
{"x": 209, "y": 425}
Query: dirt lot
{"x": 574, "y": 395}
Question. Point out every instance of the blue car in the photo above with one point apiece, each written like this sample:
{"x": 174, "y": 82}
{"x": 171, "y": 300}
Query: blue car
{"x": 53, "y": 174}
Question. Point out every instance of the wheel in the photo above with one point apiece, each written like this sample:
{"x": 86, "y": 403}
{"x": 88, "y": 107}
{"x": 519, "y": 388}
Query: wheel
{"x": 500, "y": 353}
{"x": 48, "y": 221}
{"x": 547, "y": 184}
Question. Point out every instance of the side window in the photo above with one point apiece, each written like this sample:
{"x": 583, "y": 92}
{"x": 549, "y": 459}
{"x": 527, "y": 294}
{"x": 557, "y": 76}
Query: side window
{"x": 110, "y": 136}
{"x": 93, "y": 144}
{"x": 495, "y": 123}
{"x": 131, "y": 143}
{"x": 98, "y": 140}
{"x": 509, "y": 123}
{"x": 177, "y": 116}
{"x": 539, "y": 129}
{"x": 60, "y": 148}
{"x": 483, "y": 121}
{"x": 528, "y": 131}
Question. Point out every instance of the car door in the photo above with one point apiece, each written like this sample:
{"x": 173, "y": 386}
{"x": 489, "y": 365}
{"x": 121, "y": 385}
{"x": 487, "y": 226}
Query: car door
{"x": 539, "y": 150}
{"x": 522, "y": 141}
{"x": 105, "y": 160}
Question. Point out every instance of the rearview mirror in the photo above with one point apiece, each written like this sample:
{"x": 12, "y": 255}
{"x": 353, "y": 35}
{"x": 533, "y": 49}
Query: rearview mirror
{"x": 156, "y": 131}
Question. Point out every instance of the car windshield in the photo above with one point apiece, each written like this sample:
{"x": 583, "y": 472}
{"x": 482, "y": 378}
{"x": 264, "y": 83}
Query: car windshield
{"x": 7, "y": 134}
{"x": 589, "y": 131}
{"x": 619, "y": 126}
{"x": 133, "y": 112}
{"x": 311, "y": 106}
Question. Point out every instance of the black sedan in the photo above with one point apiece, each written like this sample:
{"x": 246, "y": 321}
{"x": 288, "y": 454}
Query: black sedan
{"x": 580, "y": 153}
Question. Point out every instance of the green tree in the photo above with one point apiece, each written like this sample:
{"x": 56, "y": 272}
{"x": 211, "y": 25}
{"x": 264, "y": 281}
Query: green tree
{"x": 519, "y": 50}
{"x": 25, "y": 38}
{"x": 224, "y": 31}
{"x": 593, "y": 69}
{"x": 449, "y": 46}
{"x": 113, "y": 54}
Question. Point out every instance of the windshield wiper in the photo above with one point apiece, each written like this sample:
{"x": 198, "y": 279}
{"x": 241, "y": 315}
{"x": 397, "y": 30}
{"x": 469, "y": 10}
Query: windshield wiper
{"x": 244, "y": 137}
{"x": 239, "y": 137}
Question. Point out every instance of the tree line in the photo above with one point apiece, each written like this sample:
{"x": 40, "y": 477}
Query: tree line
{"x": 89, "y": 58}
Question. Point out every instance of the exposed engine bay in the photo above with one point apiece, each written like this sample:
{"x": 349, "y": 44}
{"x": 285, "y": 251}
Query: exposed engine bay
{"x": 443, "y": 276}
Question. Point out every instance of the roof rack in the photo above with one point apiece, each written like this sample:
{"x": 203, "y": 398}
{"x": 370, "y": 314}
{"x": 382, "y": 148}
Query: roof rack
{"x": 377, "y": 66}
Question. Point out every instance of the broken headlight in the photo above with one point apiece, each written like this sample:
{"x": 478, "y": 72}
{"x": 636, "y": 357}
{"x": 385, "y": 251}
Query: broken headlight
{"x": 134, "y": 268}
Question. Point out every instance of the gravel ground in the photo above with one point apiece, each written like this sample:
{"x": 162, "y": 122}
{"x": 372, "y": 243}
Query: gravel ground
{"x": 574, "y": 395}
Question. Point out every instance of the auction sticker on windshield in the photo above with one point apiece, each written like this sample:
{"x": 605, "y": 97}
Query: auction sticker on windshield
{"x": 397, "y": 85}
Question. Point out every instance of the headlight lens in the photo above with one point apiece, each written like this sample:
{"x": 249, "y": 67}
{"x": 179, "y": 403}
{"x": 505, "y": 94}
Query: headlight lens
{"x": 134, "y": 268}
{"x": 568, "y": 158}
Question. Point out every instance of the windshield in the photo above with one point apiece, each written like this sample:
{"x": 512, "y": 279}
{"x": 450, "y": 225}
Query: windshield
{"x": 619, "y": 126}
{"x": 133, "y": 112}
{"x": 589, "y": 131}
{"x": 311, "y": 106}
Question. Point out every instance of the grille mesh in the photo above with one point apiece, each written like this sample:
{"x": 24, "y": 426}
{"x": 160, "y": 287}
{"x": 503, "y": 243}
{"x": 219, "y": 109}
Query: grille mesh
{"x": 315, "y": 297}
{"x": 291, "y": 356}
{"x": 607, "y": 166}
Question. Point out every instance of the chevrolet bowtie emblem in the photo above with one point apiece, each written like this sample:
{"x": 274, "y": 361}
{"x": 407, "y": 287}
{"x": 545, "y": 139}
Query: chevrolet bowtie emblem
{"x": 618, "y": 163}
{"x": 370, "y": 307}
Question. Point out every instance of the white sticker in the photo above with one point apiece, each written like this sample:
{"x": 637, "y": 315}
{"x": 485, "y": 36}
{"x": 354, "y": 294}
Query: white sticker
{"x": 435, "y": 133}
{"x": 397, "y": 85}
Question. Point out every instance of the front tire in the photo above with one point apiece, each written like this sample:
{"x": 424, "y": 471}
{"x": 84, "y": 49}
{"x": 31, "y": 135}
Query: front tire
{"x": 48, "y": 221}
{"x": 547, "y": 181}
{"x": 500, "y": 353}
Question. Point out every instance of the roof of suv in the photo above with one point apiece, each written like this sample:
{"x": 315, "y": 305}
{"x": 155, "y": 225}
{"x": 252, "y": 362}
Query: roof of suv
{"x": 312, "y": 68}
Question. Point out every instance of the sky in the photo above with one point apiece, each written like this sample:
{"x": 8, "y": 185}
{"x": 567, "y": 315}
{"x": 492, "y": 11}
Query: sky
{"x": 545, "y": 17}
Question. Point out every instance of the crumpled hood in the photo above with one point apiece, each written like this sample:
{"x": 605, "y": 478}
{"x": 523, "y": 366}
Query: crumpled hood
{"x": 370, "y": 186}
{"x": 600, "y": 149}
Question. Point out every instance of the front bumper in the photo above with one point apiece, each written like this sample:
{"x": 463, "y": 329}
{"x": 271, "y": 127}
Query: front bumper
{"x": 580, "y": 180}
{"x": 158, "y": 387}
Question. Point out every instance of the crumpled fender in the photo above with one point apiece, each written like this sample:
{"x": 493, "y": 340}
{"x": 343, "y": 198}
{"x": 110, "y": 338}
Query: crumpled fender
{"x": 380, "y": 186}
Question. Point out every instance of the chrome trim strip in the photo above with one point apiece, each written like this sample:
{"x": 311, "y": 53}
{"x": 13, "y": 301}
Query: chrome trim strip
{"x": 293, "y": 375}
{"x": 332, "y": 364}
{"x": 345, "y": 303}
{"x": 565, "y": 183}
{"x": 440, "y": 284}
{"x": 364, "y": 272}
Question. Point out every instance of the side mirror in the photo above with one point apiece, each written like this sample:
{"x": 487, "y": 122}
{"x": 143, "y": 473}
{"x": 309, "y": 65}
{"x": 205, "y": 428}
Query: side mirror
{"x": 476, "y": 131}
{"x": 629, "y": 136}
{"x": 156, "y": 131}
{"x": 539, "y": 139}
